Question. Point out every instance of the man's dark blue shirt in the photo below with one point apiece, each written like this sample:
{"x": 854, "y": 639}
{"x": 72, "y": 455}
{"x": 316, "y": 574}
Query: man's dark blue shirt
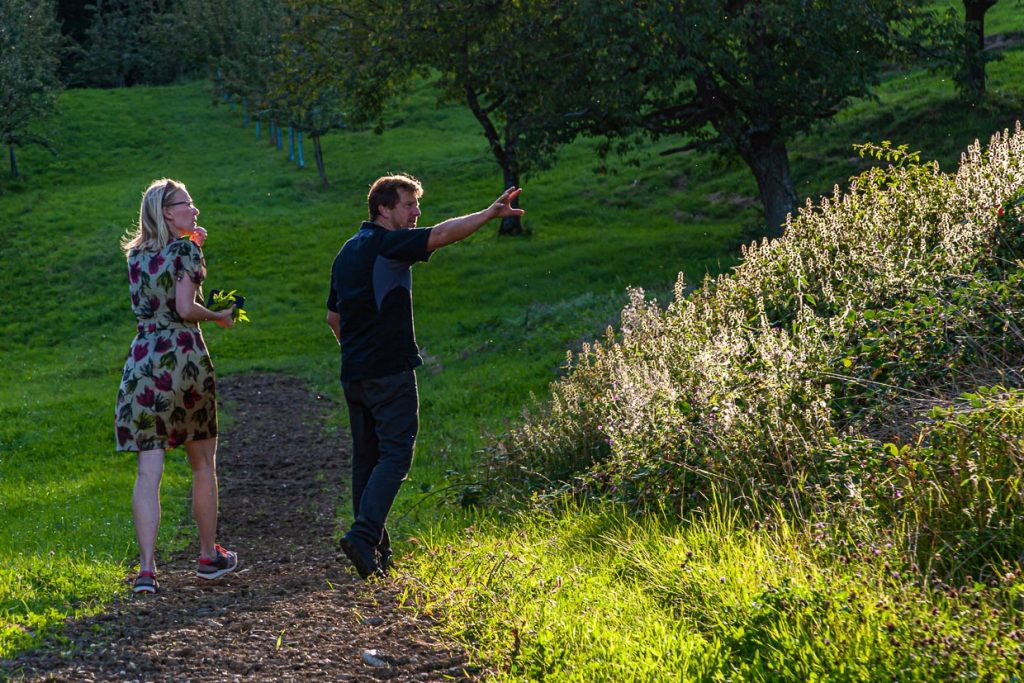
{"x": 371, "y": 290}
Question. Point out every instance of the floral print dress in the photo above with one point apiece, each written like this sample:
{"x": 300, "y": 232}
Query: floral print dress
{"x": 168, "y": 394}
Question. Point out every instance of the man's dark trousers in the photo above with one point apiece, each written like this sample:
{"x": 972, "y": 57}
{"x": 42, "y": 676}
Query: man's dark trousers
{"x": 384, "y": 413}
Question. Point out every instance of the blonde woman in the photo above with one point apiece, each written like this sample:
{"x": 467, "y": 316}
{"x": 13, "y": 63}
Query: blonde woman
{"x": 168, "y": 395}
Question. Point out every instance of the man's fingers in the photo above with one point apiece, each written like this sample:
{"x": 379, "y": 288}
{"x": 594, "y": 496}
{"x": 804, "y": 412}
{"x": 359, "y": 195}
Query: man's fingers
{"x": 510, "y": 195}
{"x": 504, "y": 203}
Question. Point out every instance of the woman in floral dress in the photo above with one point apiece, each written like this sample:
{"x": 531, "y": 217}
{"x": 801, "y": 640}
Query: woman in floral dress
{"x": 168, "y": 395}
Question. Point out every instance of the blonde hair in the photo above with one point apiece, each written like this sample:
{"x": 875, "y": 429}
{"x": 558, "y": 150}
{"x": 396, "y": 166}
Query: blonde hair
{"x": 152, "y": 233}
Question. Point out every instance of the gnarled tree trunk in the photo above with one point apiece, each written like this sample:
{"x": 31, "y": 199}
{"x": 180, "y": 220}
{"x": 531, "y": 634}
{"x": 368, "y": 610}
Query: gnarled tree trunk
{"x": 768, "y": 159}
{"x": 510, "y": 225}
{"x": 504, "y": 154}
{"x": 974, "y": 24}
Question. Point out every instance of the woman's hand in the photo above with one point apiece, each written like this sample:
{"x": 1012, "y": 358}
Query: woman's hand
{"x": 225, "y": 318}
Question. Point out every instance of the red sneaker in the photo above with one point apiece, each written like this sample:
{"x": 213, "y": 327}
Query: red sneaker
{"x": 145, "y": 582}
{"x": 224, "y": 562}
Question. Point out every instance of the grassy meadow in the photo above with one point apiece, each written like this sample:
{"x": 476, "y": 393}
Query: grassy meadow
{"x": 494, "y": 316}
{"x": 593, "y": 592}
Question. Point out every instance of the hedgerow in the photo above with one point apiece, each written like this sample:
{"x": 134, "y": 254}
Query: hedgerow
{"x": 818, "y": 372}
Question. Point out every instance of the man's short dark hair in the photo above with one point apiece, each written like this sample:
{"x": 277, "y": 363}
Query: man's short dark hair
{"x": 384, "y": 192}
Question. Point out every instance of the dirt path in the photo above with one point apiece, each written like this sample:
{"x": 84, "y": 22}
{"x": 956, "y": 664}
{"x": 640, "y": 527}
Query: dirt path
{"x": 295, "y": 608}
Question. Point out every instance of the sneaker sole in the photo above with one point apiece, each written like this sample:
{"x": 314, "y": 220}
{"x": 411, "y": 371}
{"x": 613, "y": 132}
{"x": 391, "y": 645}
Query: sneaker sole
{"x": 210, "y": 576}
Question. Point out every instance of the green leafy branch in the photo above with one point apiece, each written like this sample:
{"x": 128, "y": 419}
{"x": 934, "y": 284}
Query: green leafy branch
{"x": 220, "y": 300}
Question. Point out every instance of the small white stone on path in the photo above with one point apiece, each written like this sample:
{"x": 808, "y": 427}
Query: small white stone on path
{"x": 371, "y": 658}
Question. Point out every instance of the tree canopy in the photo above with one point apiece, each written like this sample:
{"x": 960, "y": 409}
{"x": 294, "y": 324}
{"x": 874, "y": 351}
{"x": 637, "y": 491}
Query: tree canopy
{"x": 512, "y": 66}
{"x": 30, "y": 44}
{"x": 741, "y": 77}
{"x": 299, "y": 95}
{"x": 736, "y": 75}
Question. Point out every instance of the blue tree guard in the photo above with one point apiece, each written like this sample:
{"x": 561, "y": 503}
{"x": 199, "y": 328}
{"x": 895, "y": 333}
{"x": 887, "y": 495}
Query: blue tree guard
{"x": 302, "y": 161}
{"x": 291, "y": 144}
{"x": 257, "y": 129}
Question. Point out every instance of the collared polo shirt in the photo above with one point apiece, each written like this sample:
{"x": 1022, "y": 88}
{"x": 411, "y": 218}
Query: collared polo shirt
{"x": 371, "y": 290}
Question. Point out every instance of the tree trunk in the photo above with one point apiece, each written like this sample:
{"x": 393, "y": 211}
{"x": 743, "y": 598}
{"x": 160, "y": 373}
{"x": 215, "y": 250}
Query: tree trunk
{"x": 974, "y": 25}
{"x": 510, "y": 225}
{"x": 14, "y": 164}
{"x": 503, "y": 154}
{"x": 768, "y": 159}
{"x": 319, "y": 155}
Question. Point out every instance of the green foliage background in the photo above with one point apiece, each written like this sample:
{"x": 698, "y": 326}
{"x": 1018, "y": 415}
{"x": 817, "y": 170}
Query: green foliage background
{"x": 495, "y": 318}
{"x": 494, "y": 315}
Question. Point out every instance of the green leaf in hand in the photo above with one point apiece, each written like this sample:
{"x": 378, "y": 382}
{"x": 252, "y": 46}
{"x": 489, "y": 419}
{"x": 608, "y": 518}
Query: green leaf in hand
{"x": 220, "y": 300}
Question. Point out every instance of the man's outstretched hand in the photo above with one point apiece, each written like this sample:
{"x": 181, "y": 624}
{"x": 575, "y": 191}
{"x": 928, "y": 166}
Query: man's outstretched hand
{"x": 502, "y": 206}
{"x": 455, "y": 229}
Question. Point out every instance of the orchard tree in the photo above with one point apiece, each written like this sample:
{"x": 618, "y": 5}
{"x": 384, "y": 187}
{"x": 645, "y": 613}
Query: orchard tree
{"x": 740, "y": 76}
{"x": 305, "y": 94}
{"x": 970, "y": 76}
{"x": 513, "y": 65}
{"x": 175, "y": 42}
{"x": 241, "y": 44}
{"x": 30, "y": 45}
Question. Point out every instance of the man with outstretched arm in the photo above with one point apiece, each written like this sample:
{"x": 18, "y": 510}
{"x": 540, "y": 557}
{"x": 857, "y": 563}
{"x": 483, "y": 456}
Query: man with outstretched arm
{"x": 369, "y": 309}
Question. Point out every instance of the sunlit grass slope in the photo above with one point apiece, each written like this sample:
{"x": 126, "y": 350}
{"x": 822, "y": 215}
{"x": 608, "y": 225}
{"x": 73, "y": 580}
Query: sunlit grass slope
{"x": 591, "y": 593}
{"x": 494, "y": 315}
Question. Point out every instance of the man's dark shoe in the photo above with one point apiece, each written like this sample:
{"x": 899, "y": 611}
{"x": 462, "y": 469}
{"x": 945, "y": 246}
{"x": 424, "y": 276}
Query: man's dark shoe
{"x": 385, "y": 559}
{"x": 361, "y": 556}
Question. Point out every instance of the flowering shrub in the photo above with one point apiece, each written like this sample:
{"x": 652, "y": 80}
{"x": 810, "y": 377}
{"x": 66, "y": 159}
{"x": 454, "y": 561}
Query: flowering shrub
{"x": 896, "y": 292}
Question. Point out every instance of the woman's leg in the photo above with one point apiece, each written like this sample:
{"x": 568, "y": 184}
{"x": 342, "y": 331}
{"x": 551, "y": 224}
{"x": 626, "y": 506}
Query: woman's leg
{"x": 202, "y": 457}
{"x": 146, "y": 506}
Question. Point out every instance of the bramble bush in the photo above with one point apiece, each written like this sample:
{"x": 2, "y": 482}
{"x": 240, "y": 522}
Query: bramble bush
{"x": 953, "y": 493}
{"x": 777, "y": 381}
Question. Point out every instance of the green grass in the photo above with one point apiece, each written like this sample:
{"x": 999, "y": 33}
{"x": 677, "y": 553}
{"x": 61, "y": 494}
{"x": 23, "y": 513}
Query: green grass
{"x": 593, "y": 594}
{"x": 66, "y": 500}
{"x": 495, "y": 317}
